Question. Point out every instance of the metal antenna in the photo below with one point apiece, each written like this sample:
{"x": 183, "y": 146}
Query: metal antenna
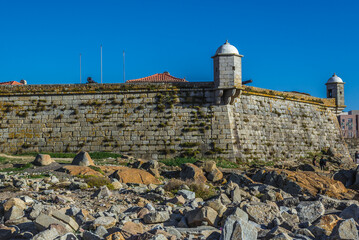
{"x": 80, "y": 68}
{"x": 123, "y": 66}
{"x": 101, "y": 63}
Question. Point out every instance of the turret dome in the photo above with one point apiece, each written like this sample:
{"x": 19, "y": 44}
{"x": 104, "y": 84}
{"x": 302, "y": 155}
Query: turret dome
{"x": 227, "y": 48}
{"x": 335, "y": 79}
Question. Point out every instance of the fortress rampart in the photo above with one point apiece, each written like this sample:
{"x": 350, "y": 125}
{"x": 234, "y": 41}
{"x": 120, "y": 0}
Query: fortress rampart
{"x": 166, "y": 120}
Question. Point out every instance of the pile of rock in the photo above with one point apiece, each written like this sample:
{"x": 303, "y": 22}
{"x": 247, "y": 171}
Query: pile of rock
{"x": 267, "y": 204}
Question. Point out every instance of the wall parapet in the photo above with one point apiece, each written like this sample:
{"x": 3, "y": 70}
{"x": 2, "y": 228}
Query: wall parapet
{"x": 50, "y": 89}
{"x": 290, "y": 96}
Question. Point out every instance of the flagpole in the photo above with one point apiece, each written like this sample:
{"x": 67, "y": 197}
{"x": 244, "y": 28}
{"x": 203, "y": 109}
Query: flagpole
{"x": 123, "y": 66}
{"x": 101, "y": 63}
{"x": 80, "y": 68}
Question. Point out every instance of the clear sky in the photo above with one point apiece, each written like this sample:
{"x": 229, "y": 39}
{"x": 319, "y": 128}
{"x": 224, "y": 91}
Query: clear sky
{"x": 287, "y": 44}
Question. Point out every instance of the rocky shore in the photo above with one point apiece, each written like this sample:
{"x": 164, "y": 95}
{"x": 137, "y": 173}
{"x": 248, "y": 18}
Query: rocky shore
{"x": 149, "y": 200}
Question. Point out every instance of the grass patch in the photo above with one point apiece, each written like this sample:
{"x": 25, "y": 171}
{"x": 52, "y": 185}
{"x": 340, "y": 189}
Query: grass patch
{"x": 94, "y": 181}
{"x": 97, "y": 169}
{"x": 223, "y": 163}
{"x": 202, "y": 190}
{"x": 94, "y": 155}
{"x": 17, "y": 169}
{"x": 4, "y": 160}
{"x": 178, "y": 161}
{"x": 36, "y": 176}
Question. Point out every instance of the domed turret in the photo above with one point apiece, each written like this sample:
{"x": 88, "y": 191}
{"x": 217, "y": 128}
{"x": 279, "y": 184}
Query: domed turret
{"x": 335, "y": 89}
{"x": 335, "y": 79}
{"x": 227, "y": 48}
{"x": 227, "y": 64}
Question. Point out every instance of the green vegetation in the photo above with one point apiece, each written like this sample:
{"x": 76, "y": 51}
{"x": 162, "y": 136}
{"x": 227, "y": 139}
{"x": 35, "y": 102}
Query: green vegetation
{"x": 94, "y": 155}
{"x": 202, "y": 190}
{"x": 35, "y": 176}
{"x": 223, "y": 163}
{"x": 97, "y": 169}
{"x": 178, "y": 161}
{"x": 17, "y": 169}
{"x": 4, "y": 160}
{"x": 94, "y": 181}
{"x": 190, "y": 144}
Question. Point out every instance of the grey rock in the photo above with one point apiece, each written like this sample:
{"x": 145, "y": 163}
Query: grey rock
{"x": 189, "y": 195}
{"x": 43, "y": 221}
{"x": 261, "y": 213}
{"x": 49, "y": 234}
{"x": 20, "y": 183}
{"x": 103, "y": 192}
{"x": 87, "y": 235}
{"x": 332, "y": 203}
{"x": 101, "y": 231}
{"x": 238, "y": 229}
{"x": 66, "y": 219}
{"x": 182, "y": 223}
{"x": 67, "y": 236}
{"x": 351, "y": 212}
{"x": 310, "y": 211}
{"x": 345, "y": 230}
{"x": 43, "y": 160}
{"x": 201, "y": 216}
{"x": 282, "y": 236}
{"x": 14, "y": 213}
{"x": 82, "y": 159}
{"x": 106, "y": 222}
{"x": 240, "y": 179}
{"x": 159, "y": 237}
{"x": 156, "y": 217}
{"x": 173, "y": 231}
{"x": 236, "y": 195}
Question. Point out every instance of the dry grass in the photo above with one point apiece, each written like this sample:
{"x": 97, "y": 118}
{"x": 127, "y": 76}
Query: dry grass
{"x": 201, "y": 189}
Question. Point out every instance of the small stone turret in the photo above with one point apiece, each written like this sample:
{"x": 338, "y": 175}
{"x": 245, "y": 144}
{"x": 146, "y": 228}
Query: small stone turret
{"x": 335, "y": 89}
{"x": 227, "y": 67}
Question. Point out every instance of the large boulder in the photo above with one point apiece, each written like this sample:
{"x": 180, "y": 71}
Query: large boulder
{"x": 261, "y": 213}
{"x": 14, "y": 202}
{"x": 156, "y": 217}
{"x": 302, "y": 182}
{"x": 351, "y": 212}
{"x": 106, "y": 222}
{"x": 213, "y": 173}
{"x": 310, "y": 211}
{"x": 205, "y": 214}
{"x": 43, "y": 160}
{"x": 238, "y": 229}
{"x": 345, "y": 230}
{"x": 130, "y": 175}
{"x": 192, "y": 172}
{"x": 82, "y": 159}
{"x": 324, "y": 225}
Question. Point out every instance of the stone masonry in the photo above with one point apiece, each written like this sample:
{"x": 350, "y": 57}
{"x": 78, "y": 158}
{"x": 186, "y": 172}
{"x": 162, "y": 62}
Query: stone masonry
{"x": 165, "y": 120}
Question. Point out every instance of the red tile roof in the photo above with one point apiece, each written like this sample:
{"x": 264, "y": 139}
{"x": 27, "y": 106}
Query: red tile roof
{"x": 11, "y": 83}
{"x": 158, "y": 77}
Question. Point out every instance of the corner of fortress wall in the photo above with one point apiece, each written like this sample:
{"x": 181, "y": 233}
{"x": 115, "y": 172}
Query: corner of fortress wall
{"x": 166, "y": 120}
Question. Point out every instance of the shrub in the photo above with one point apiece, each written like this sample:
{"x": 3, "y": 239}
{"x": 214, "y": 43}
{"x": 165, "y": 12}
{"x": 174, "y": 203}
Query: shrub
{"x": 93, "y": 181}
{"x": 201, "y": 189}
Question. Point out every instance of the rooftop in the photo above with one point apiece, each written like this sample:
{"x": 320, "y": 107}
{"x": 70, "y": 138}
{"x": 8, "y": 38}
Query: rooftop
{"x": 11, "y": 83}
{"x": 158, "y": 77}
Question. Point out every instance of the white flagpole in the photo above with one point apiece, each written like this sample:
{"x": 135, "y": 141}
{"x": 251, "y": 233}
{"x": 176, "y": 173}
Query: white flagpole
{"x": 101, "y": 63}
{"x": 124, "y": 66}
{"x": 80, "y": 68}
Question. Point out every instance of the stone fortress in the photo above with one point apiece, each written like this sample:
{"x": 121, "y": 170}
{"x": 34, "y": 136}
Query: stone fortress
{"x": 223, "y": 118}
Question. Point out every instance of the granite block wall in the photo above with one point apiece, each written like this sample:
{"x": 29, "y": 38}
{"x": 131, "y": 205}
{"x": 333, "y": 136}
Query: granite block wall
{"x": 163, "y": 121}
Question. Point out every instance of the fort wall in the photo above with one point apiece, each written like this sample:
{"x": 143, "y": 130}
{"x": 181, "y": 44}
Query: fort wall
{"x": 165, "y": 120}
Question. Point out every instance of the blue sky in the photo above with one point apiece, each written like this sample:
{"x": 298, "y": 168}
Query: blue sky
{"x": 287, "y": 45}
